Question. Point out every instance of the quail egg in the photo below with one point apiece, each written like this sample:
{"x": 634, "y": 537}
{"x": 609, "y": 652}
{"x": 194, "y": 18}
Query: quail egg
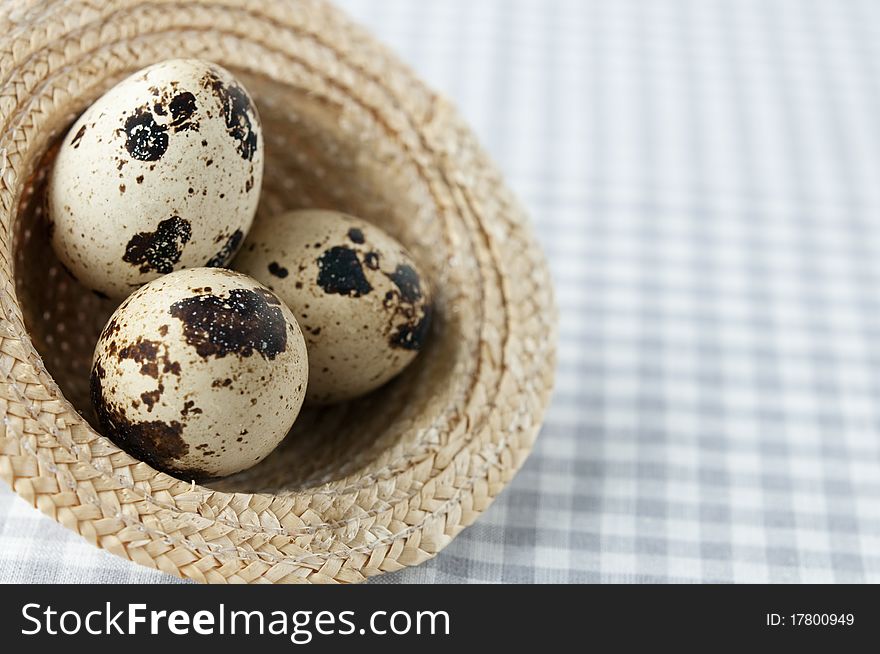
{"x": 161, "y": 173}
{"x": 200, "y": 373}
{"x": 364, "y": 306}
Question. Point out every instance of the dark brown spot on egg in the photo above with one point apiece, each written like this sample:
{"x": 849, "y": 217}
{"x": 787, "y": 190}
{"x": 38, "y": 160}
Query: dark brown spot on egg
{"x": 340, "y": 273}
{"x": 158, "y": 251}
{"x": 98, "y": 371}
{"x": 244, "y": 321}
{"x": 189, "y": 407}
{"x": 157, "y": 443}
{"x": 150, "y": 399}
{"x": 146, "y": 140}
{"x": 356, "y": 235}
{"x": 278, "y": 270}
{"x": 225, "y": 254}
{"x": 112, "y": 327}
{"x": 139, "y": 179}
{"x": 371, "y": 260}
{"x": 150, "y": 369}
{"x": 237, "y": 112}
{"x": 144, "y": 352}
{"x": 407, "y": 281}
{"x": 412, "y": 335}
{"x": 183, "y": 108}
{"x": 163, "y": 330}
{"x": 75, "y": 141}
{"x": 411, "y": 313}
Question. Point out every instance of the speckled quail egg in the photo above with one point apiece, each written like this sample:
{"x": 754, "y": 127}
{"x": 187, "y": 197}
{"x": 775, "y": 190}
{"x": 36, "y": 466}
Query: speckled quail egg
{"x": 200, "y": 373}
{"x": 364, "y": 307}
{"x": 161, "y": 173}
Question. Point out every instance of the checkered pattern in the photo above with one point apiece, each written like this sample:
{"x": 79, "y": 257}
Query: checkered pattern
{"x": 704, "y": 178}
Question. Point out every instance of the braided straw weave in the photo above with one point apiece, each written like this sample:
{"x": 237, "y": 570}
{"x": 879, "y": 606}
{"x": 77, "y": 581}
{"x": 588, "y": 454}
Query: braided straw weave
{"x": 356, "y": 490}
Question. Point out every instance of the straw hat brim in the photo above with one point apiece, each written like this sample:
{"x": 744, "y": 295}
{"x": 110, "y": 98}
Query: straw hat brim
{"x": 367, "y": 488}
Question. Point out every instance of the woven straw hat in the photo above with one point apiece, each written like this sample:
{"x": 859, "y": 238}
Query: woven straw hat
{"x": 357, "y": 490}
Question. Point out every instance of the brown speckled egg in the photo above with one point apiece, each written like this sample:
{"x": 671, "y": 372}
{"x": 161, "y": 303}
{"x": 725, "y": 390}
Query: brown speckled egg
{"x": 161, "y": 173}
{"x": 200, "y": 373}
{"x": 364, "y": 307}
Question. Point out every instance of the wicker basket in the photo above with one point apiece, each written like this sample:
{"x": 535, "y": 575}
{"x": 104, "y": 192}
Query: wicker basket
{"x": 357, "y": 490}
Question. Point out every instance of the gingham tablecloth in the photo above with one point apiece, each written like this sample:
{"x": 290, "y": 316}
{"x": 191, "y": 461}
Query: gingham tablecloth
{"x": 705, "y": 178}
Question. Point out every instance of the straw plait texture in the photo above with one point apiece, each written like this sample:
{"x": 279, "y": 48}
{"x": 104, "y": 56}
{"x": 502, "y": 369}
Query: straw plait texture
{"x": 354, "y": 491}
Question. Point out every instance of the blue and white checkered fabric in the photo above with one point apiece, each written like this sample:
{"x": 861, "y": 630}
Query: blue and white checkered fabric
{"x": 704, "y": 177}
